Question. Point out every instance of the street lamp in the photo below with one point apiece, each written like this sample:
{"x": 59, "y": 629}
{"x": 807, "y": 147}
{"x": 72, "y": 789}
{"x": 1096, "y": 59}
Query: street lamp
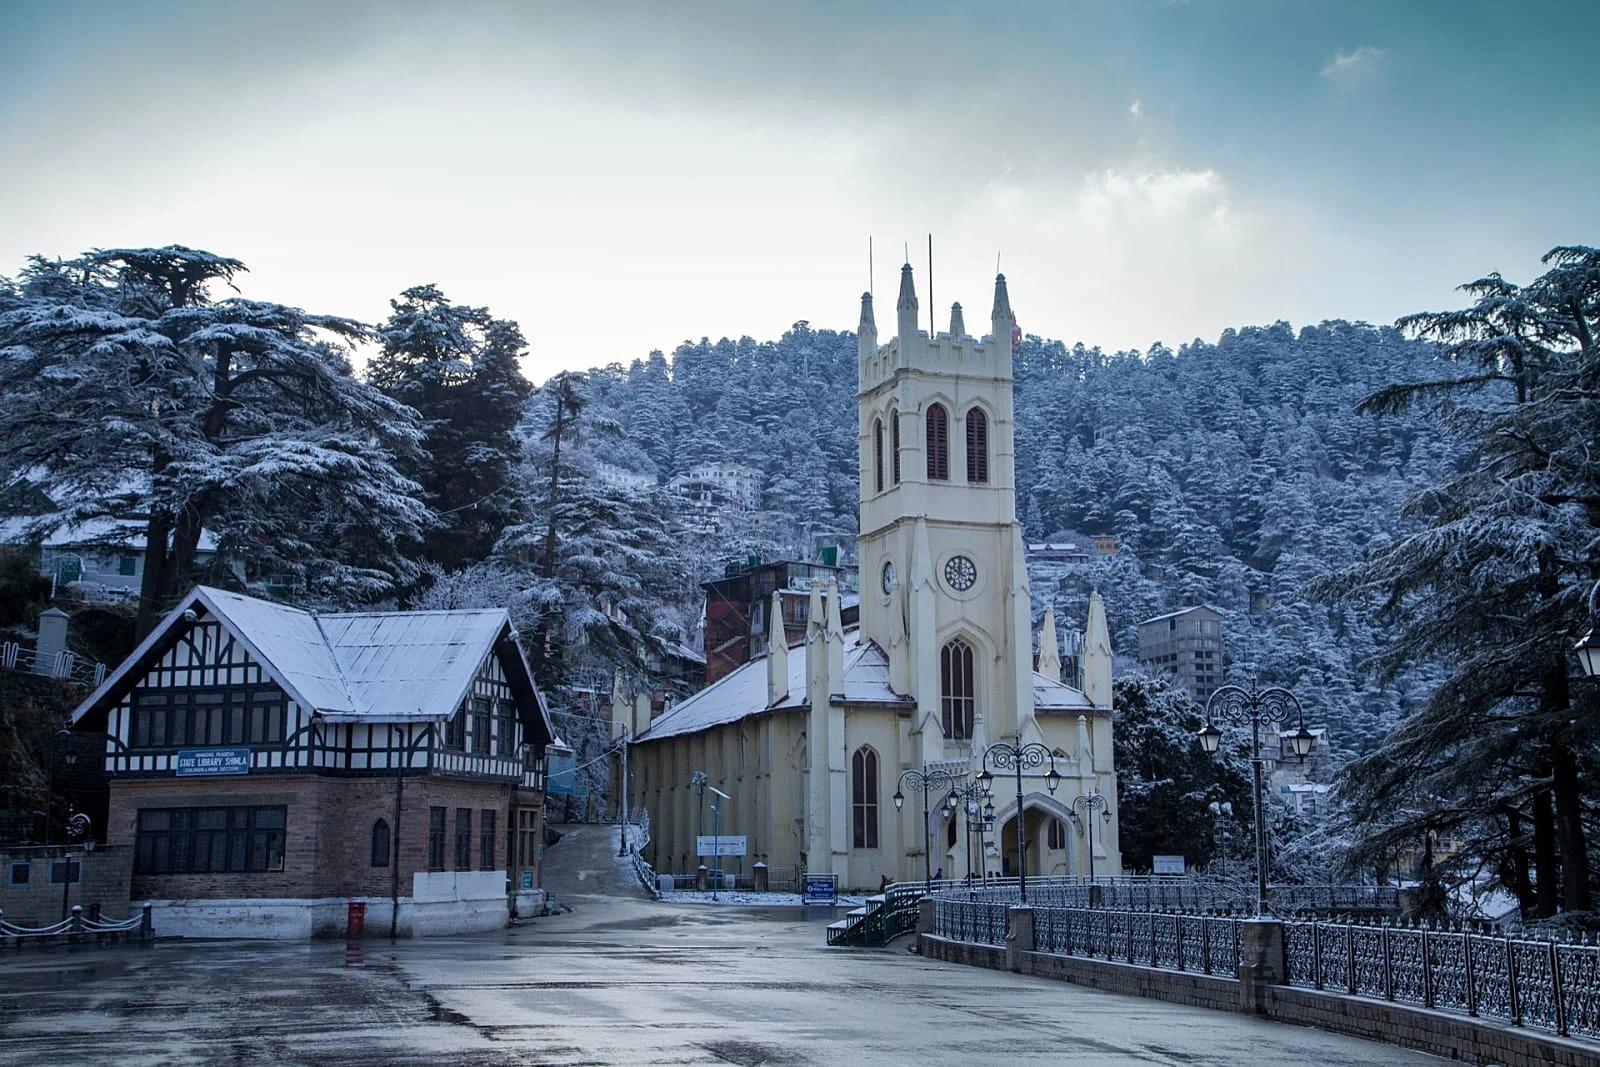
{"x": 1091, "y": 802}
{"x": 927, "y": 781}
{"x": 697, "y": 782}
{"x": 1221, "y": 809}
{"x": 969, "y": 799}
{"x": 1255, "y": 705}
{"x": 1588, "y": 650}
{"x": 1016, "y": 756}
{"x": 716, "y": 834}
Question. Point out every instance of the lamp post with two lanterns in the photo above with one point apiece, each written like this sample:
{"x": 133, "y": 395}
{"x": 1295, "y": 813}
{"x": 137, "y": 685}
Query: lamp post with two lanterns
{"x": 978, "y": 804}
{"x": 927, "y": 781}
{"x": 1255, "y": 706}
{"x": 1091, "y": 802}
{"x": 1018, "y": 756}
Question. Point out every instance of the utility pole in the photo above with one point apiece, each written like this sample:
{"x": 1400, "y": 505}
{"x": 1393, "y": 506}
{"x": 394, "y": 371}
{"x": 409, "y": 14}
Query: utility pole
{"x": 622, "y": 848}
{"x": 716, "y": 833}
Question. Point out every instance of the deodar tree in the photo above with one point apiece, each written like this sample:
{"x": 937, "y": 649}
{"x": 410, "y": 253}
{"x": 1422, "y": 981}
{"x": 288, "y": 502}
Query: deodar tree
{"x": 1493, "y": 584}
{"x": 130, "y": 391}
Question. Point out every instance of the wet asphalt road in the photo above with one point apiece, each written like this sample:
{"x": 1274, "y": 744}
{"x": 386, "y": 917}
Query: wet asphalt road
{"x": 618, "y": 980}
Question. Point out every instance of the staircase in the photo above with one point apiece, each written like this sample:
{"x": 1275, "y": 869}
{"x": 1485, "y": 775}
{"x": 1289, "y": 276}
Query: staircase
{"x": 885, "y": 916}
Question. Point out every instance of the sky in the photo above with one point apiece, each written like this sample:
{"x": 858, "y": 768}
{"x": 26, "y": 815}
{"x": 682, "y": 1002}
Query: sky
{"x": 622, "y": 177}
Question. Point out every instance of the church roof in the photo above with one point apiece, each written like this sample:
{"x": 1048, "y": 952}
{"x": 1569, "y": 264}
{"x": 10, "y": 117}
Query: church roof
{"x": 743, "y": 693}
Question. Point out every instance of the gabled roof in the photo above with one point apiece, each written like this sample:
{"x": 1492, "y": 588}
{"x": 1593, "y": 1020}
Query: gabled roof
{"x": 1184, "y": 611}
{"x": 415, "y": 666}
{"x": 743, "y": 693}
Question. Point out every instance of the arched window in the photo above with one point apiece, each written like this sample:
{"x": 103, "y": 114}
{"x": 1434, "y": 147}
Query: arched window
{"x": 956, "y": 693}
{"x": 877, "y": 455}
{"x": 1056, "y": 836}
{"x": 977, "y": 446}
{"x": 938, "y": 421}
{"x": 894, "y": 446}
{"x": 380, "y": 844}
{"x": 864, "y": 798}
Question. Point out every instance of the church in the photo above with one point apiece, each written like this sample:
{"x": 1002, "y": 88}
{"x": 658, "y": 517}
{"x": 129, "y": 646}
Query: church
{"x": 808, "y": 743}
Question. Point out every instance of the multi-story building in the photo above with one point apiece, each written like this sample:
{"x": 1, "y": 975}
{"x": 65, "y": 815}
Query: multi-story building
{"x": 737, "y": 606}
{"x": 1186, "y": 644}
{"x": 733, "y": 484}
{"x": 275, "y": 771}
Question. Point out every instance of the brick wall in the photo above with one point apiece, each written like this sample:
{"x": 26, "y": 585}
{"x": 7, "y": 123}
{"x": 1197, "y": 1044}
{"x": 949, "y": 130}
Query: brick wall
{"x": 328, "y": 831}
{"x": 103, "y": 881}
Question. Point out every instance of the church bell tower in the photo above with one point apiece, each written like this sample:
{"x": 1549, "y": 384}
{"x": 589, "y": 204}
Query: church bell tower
{"x": 944, "y": 587}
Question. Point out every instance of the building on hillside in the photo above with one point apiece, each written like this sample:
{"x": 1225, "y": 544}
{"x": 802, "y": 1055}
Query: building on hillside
{"x": 738, "y": 605}
{"x": 732, "y": 484}
{"x": 97, "y": 559}
{"x": 1058, "y": 552}
{"x": 271, "y": 768}
{"x": 810, "y": 739}
{"x": 1187, "y": 645}
{"x": 619, "y": 478}
{"x": 1104, "y": 544}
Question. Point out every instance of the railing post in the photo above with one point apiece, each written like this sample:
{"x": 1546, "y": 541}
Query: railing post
{"x": 1205, "y": 945}
{"x": 1177, "y": 935}
{"x": 1129, "y": 955}
{"x": 146, "y": 926}
{"x": 1511, "y": 983}
{"x": 1350, "y": 958}
{"x": 1427, "y": 971}
{"x": 1388, "y": 966}
{"x": 75, "y": 924}
{"x": 1556, "y": 997}
{"x": 1316, "y": 954}
{"x": 1466, "y": 963}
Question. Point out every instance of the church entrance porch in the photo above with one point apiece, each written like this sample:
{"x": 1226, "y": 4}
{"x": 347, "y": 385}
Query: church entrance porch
{"x": 1051, "y": 842}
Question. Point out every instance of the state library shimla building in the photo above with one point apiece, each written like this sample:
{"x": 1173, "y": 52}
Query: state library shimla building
{"x": 272, "y": 767}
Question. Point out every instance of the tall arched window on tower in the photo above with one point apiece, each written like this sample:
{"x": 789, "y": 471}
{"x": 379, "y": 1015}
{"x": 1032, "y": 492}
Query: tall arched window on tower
{"x": 877, "y": 455}
{"x": 957, "y": 697}
{"x": 938, "y": 443}
{"x": 894, "y": 446}
{"x": 864, "y": 798}
{"x": 977, "y": 446}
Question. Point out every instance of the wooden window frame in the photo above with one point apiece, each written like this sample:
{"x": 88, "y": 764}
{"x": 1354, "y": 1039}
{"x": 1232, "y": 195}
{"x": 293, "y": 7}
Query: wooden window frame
{"x": 212, "y": 839}
{"x": 864, "y": 766}
{"x": 436, "y": 817}
{"x": 937, "y": 422}
{"x": 977, "y": 446}
{"x": 877, "y": 455}
{"x": 958, "y": 689}
{"x": 486, "y": 838}
{"x": 894, "y": 447}
{"x": 463, "y": 839}
{"x": 382, "y": 844}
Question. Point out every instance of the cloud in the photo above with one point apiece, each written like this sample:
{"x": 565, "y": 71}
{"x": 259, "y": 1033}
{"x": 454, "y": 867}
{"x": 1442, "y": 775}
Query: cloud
{"x": 1354, "y": 64}
{"x": 1135, "y": 108}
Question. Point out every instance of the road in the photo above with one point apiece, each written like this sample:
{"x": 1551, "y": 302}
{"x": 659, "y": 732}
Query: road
{"x": 617, "y": 980}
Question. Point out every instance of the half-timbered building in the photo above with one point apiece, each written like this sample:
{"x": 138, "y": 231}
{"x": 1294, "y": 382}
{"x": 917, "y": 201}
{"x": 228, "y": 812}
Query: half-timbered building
{"x": 272, "y": 767}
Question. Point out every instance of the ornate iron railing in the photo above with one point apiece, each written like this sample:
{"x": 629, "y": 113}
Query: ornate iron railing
{"x": 1548, "y": 985}
{"x": 971, "y": 921}
{"x": 1182, "y": 895}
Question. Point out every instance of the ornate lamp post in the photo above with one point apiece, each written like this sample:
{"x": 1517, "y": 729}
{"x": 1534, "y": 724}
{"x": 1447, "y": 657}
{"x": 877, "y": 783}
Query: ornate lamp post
{"x": 1017, "y": 756}
{"x": 974, "y": 801}
{"x": 1091, "y": 802}
{"x": 1255, "y": 706}
{"x": 1220, "y": 810}
{"x": 927, "y": 781}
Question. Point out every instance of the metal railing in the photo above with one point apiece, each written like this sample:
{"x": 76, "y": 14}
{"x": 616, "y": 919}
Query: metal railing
{"x": 77, "y": 927}
{"x": 1547, "y": 985}
{"x": 1202, "y": 944}
{"x": 1180, "y": 895}
{"x": 636, "y": 835}
{"x": 63, "y": 665}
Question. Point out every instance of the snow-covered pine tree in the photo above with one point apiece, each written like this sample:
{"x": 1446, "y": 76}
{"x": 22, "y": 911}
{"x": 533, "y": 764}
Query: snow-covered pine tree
{"x": 457, "y": 366}
{"x": 1494, "y": 587}
{"x": 131, "y": 392}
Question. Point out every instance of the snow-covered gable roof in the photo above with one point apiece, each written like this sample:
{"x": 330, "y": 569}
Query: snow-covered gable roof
{"x": 1053, "y": 697}
{"x": 384, "y": 666}
{"x": 1184, "y": 611}
{"x": 743, "y": 692}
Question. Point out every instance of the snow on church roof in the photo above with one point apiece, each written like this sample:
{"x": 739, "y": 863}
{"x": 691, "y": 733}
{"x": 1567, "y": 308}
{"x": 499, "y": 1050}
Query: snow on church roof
{"x": 743, "y": 693}
{"x": 388, "y": 666}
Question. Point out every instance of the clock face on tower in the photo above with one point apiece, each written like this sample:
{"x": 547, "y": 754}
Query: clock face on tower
{"x": 888, "y": 577}
{"x": 960, "y": 573}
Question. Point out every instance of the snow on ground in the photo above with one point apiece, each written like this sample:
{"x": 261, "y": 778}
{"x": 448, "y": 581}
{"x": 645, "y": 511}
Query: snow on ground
{"x": 745, "y": 899}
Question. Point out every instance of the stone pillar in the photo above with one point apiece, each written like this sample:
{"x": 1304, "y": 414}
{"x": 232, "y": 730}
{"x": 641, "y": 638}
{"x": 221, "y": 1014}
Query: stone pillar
{"x": 702, "y": 878}
{"x": 52, "y": 639}
{"x": 758, "y": 876}
{"x": 924, "y": 916}
{"x": 1261, "y": 962}
{"x": 1019, "y": 935}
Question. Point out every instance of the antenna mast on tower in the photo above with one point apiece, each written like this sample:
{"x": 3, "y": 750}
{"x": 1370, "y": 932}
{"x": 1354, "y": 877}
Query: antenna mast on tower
{"x": 933, "y": 331}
